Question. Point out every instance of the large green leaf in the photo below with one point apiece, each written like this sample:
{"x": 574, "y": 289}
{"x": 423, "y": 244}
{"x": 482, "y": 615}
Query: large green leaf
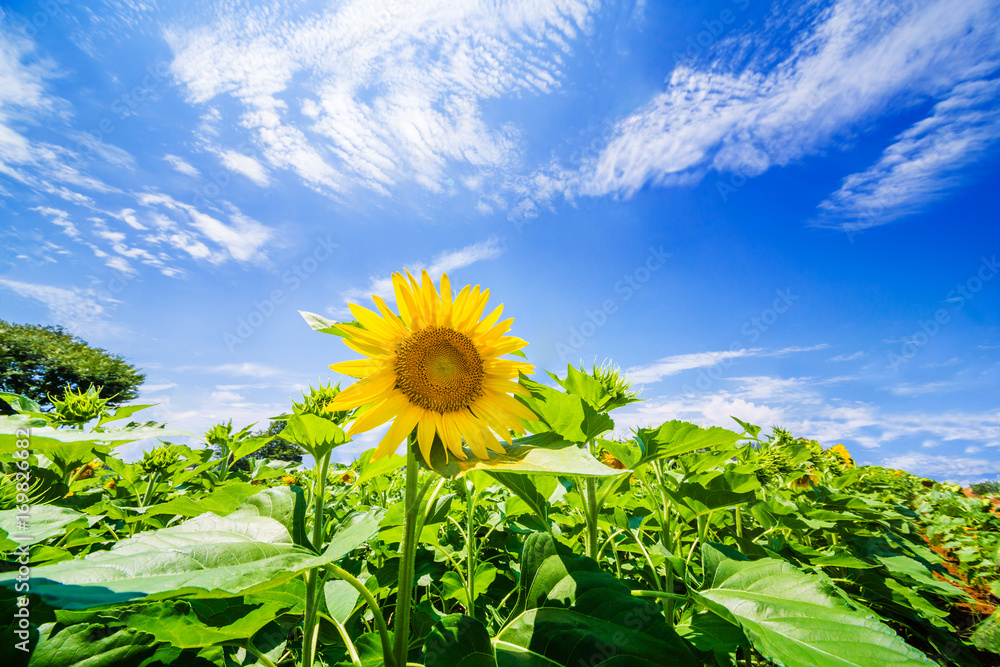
{"x": 571, "y": 416}
{"x": 570, "y": 610}
{"x": 675, "y": 438}
{"x": 123, "y": 412}
{"x": 711, "y": 491}
{"x": 44, "y": 521}
{"x": 792, "y": 619}
{"x": 205, "y": 557}
{"x": 458, "y": 640}
{"x": 316, "y": 435}
{"x": 73, "y": 445}
{"x": 518, "y": 457}
{"x": 90, "y": 645}
{"x": 222, "y": 500}
{"x": 196, "y": 623}
{"x": 567, "y": 637}
{"x": 987, "y": 635}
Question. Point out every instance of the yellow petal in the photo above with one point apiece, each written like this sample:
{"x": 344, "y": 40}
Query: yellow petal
{"x": 474, "y": 309}
{"x": 401, "y": 427}
{"x": 472, "y": 435}
{"x": 425, "y": 435}
{"x": 356, "y": 368}
{"x": 365, "y": 391}
{"x": 505, "y": 345}
{"x": 384, "y": 329}
{"x": 380, "y": 413}
{"x": 404, "y": 299}
{"x": 451, "y": 436}
{"x": 489, "y": 321}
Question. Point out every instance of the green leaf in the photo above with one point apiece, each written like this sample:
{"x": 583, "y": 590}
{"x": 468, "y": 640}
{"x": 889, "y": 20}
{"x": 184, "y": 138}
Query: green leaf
{"x": 584, "y": 385}
{"x": 458, "y": 640}
{"x": 569, "y": 608}
{"x": 284, "y": 504}
{"x": 19, "y": 403}
{"x": 222, "y": 500}
{"x": 123, "y": 412}
{"x": 44, "y": 521}
{"x": 90, "y": 645}
{"x": 567, "y": 637}
{"x": 520, "y": 458}
{"x": 792, "y": 619}
{"x": 60, "y": 442}
{"x": 247, "y": 446}
{"x": 205, "y": 557}
{"x": 325, "y": 325}
{"x": 341, "y": 599}
{"x": 987, "y": 634}
{"x": 383, "y": 466}
{"x": 533, "y": 490}
{"x": 675, "y": 438}
{"x": 714, "y": 490}
{"x": 316, "y": 435}
{"x": 354, "y": 532}
{"x": 197, "y": 623}
{"x": 570, "y": 416}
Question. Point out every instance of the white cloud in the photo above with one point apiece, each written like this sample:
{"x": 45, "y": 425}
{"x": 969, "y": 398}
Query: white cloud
{"x": 247, "y": 368}
{"x": 378, "y": 92}
{"x": 922, "y": 163}
{"x": 246, "y": 165}
{"x": 912, "y": 389}
{"x": 678, "y": 363}
{"x": 446, "y": 262}
{"x": 667, "y": 366}
{"x": 848, "y": 357}
{"x": 749, "y": 105}
{"x": 182, "y": 166}
{"x": 945, "y": 468}
{"x": 242, "y": 239}
{"x": 82, "y": 311}
{"x": 798, "y": 404}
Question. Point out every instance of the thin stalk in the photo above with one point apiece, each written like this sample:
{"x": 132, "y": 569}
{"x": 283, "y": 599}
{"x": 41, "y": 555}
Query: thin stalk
{"x": 352, "y": 651}
{"x": 261, "y": 658}
{"x": 148, "y": 495}
{"x": 401, "y": 625}
{"x": 739, "y": 522}
{"x": 592, "y": 517}
{"x": 369, "y": 599}
{"x": 310, "y": 627}
{"x": 658, "y": 594}
{"x": 470, "y": 547}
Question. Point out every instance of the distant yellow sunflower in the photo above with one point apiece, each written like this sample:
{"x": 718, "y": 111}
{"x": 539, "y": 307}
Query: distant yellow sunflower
{"x": 434, "y": 367}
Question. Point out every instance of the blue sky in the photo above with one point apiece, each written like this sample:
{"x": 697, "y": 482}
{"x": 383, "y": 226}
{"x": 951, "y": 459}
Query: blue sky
{"x": 783, "y": 212}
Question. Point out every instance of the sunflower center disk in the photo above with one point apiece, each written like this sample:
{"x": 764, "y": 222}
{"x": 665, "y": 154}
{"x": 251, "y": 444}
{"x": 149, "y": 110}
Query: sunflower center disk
{"x": 439, "y": 369}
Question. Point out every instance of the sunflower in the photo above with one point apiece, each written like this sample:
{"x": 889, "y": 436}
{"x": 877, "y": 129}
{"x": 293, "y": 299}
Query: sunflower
{"x": 435, "y": 367}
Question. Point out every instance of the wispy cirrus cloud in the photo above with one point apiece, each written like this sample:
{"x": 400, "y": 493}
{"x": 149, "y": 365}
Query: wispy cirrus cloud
{"x": 445, "y": 262}
{"x": 377, "y": 93}
{"x": 678, "y": 363}
{"x": 789, "y": 88}
{"x": 84, "y": 311}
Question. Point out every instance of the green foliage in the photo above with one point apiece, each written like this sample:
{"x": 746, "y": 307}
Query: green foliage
{"x": 37, "y": 361}
{"x": 679, "y": 545}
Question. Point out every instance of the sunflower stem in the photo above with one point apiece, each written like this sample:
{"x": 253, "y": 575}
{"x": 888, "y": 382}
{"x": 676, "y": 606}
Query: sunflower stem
{"x": 408, "y": 551}
{"x": 310, "y": 625}
{"x": 592, "y": 517}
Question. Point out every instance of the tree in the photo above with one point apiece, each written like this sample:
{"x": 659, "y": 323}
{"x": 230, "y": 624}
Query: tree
{"x": 277, "y": 448}
{"x": 36, "y": 361}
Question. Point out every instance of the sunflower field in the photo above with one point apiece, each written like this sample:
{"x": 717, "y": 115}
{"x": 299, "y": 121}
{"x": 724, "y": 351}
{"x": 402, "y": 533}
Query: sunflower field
{"x": 499, "y": 522}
